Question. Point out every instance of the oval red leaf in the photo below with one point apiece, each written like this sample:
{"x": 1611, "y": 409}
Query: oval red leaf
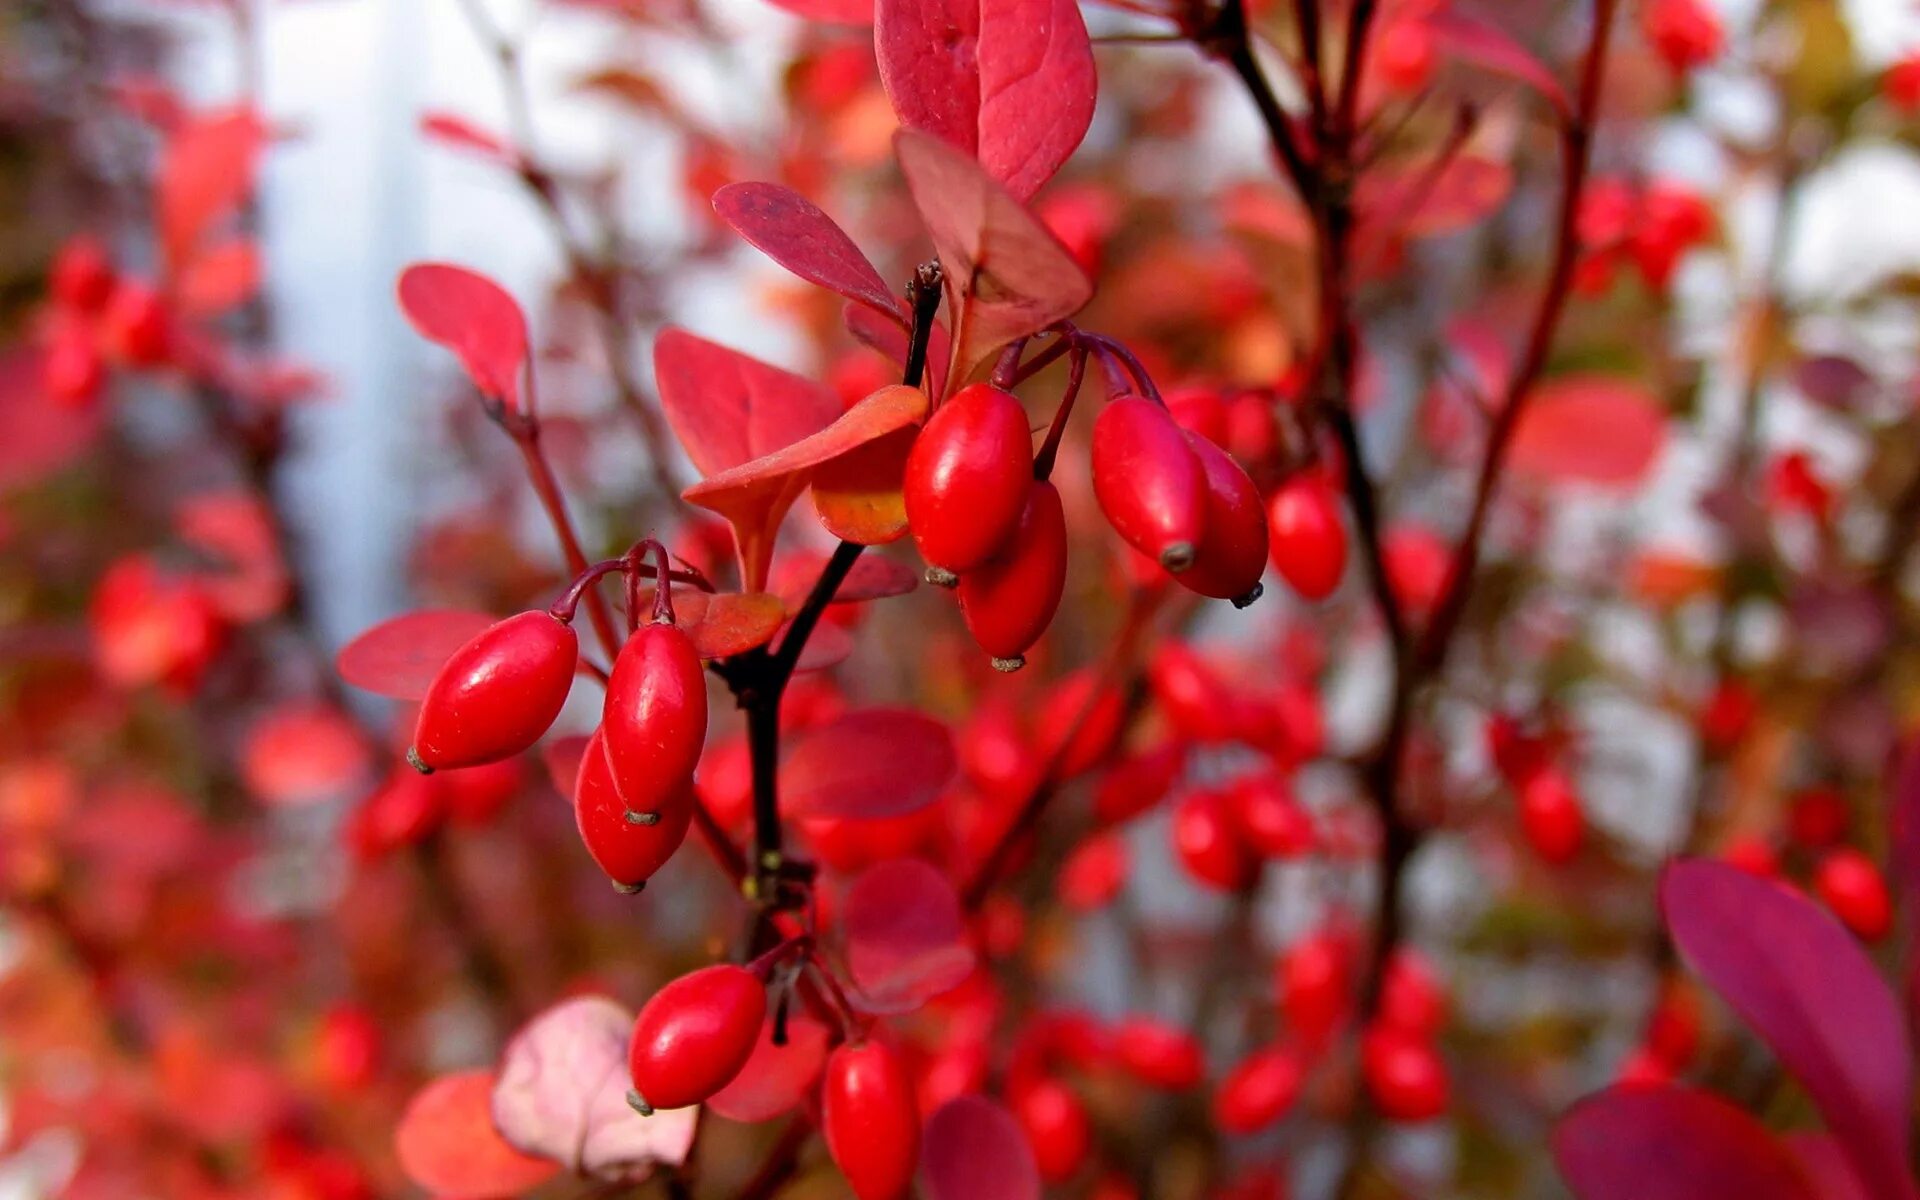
{"x": 876, "y": 762}
{"x": 205, "y": 172}
{"x": 1803, "y": 983}
{"x": 1471, "y": 39}
{"x": 475, "y": 318}
{"x": 777, "y": 1078}
{"x": 906, "y": 936}
{"x": 972, "y": 1148}
{"x": 400, "y": 657}
{"x": 1669, "y": 1143}
{"x": 873, "y": 577}
{"x": 794, "y": 232}
{"x": 727, "y": 408}
{"x": 447, "y": 1144}
{"x": 1592, "y": 429}
{"x": 302, "y": 754}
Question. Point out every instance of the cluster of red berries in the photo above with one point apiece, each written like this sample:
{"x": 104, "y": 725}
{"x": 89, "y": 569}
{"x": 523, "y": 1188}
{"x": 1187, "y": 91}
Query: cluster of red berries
{"x": 1842, "y": 877}
{"x": 1651, "y": 227}
{"x": 98, "y": 318}
{"x": 1552, "y": 818}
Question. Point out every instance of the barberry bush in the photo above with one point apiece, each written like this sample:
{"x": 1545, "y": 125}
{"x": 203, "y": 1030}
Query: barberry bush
{"x": 1321, "y": 606}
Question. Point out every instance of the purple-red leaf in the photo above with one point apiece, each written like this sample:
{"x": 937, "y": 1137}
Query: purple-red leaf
{"x": 1826, "y": 1165}
{"x": 777, "y": 1078}
{"x": 727, "y": 408}
{"x": 1468, "y": 38}
{"x": 872, "y": 578}
{"x": 1010, "y": 82}
{"x": 1006, "y": 275}
{"x": 1802, "y": 982}
{"x": 792, "y": 231}
{"x": 475, "y": 318}
{"x": 973, "y": 1148}
{"x": 561, "y": 1093}
{"x": 874, "y": 762}
{"x": 399, "y": 657}
{"x": 461, "y": 134}
{"x": 906, "y": 936}
{"x": 890, "y": 339}
{"x": 1670, "y": 1143}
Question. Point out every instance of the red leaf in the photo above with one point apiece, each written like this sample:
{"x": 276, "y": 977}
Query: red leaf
{"x": 37, "y": 435}
{"x": 462, "y": 134}
{"x": 1670, "y": 1143}
{"x": 218, "y": 279}
{"x": 725, "y": 623}
{"x": 1418, "y": 201}
{"x": 754, "y": 496}
{"x": 906, "y": 936}
{"x": 828, "y": 647}
{"x": 875, "y": 762}
{"x": 1471, "y": 39}
{"x": 839, "y": 12}
{"x": 447, "y": 1144}
{"x": 301, "y": 754}
{"x": 860, "y": 496}
{"x": 1006, "y": 275}
{"x": 400, "y": 657}
{"x": 789, "y": 229}
{"x": 873, "y": 577}
{"x": 1825, "y": 1163}
{"x": 244, "y": 576}
{"x": 1802, "y": 982}
{"x": 474, "y": 317}
{"x": 1593, "y": 429}
{"x": 972, "y": 1148}
{"x": 728, "y": 409}
{"x": 777, "y": 1078}
{"x": 890, "y": 339}
{"x": 1010, "y": 82}
{"x": 205, "y": 172}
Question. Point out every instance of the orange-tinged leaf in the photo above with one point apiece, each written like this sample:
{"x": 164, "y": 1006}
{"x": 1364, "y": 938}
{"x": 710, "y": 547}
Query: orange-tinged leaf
{"x": 859, "y": 496}
{"x": 447, "y": 1144}
{"x": 475, "y": 318}
{"x": 1006, "y": 275}
{"x": 206, "y": 171}
{"x": 1594, "y": 429}
{"x": 723, "y": 623}
{"x": 219, "y": 278}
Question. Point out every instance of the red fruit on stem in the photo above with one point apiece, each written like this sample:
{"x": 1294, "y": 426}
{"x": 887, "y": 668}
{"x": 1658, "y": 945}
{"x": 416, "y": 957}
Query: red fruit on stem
{"x": 1753, "y": 855}
{"x": 1312, "y": 980}
{"x": 1149, "y": 482}
{"x": 1211, "y": 844}
{"x": 1199, "y": 410}
{"x": 135, "y": 325}
{"x": 871, "y": 1125}
{"x": 1094, "y": 872}
{"x": 1274, "y": 824}
{"x": 1307, "y": 538}
{"x": 81, "y": 277}
{"x": 1232, "y": 553}
{"x": 1137, "y": 782}
{"x": 1259, "y": 1090}
{"x": 497, "y": 694}
{"x": 1411, "y": 998}
{"x": 1187, "y": 691}
{"x": 1901, "y": 85}
{"x": 1405, "y": 56}
{"x": 1684, "y": 33}
{"x": 627, "y": 846}
{"x": 1849, "y": 883}
{"x": 1086, "y": 690}
{"x": 1673, "y": 1028}
{"x": 1404, "y": 1074}
{"x": 1009, "y": 600}
{"x": 475, "y": 795}
{"x": 72, "y": 370}
{"x": 346, "y": 1047}
{"x": 1818, "y": 818}
{"x": 694, "y": 1035}
{"x": 1550, "y": 815}
{"x": 967, "y": 478}
{"x": 1158, "y": 1054}
{"x": 655, "y": 718}
{"x": 1056, "y": 1126}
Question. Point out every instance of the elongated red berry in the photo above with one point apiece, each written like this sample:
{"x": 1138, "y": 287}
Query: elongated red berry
{"x": 1233, "y": 551}
{"x": 1056, "y": 1125}
{"x": 1149, "y": 482}
{"x": 1158, "y": 1054}
{"x": 1306, "y": 538}
{"x": 1271, "y": 820}
{"x": 629, "y": 846}
{"x": 1009, "y": 600}
{"x": 1259, "y": 1090}
{"x": 1312, "y": 978}
{"x": 1210, "y": 843}
{"x": 871, "y": 1124}
{"x": 81, "y": 277}
{"x": 1849, "y": 883}
{"x": 1550, "y": 815}
{"x": 694, "y": 1035}
{"x": 967, "y": 478}
{"x": 1404, "y": 1074}
{"x": 497, "y": 694}
{"x": 655, "y": 718}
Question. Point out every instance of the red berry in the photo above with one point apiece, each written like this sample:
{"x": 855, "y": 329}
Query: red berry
{"x": 1273, "y": 822}
{"x": 1901, "y": 85}
{"x": 1308, "y": 540}
{"x": 81, "y": 277}
{"x": 1158, "y": 1054}
{"x": 497, "y": 694}
{"x": 1188, "y": 691}
{"x": 1312, "y": 980}
{"x": 135, "y": 325}
{"x": 1684, "y": 33}
{"x": 1094, "y": 872}
{"x": 694, "y": 1035}
{"x": 1149, "y": 482}
{"x": 72, "y": 370}
{"x": 967, "y": 478}
{"x": 475, "y": 795}
{"x": 1418, "y": 564}
{"x": 1673, "y": 1029}
{"x": 1411, "y": 999}
{"x": 1643, "y": 1068}
{"x": 1404, "y": 54}
{"x": 402, "y": 811}
{"x": 1727, "y": 715}
{"x": 1137, "y": 782}
{"x": 1404, "y": 1075}
{"x": 1009, "y": 600}
{"x": 1550, "y": 815}
{"x": 1258, "y": 1091}
{"x": 1211, "y": 844}
{"x": 347, "y": 1047}
{"x": 1086, "y": 690}
{"x": 1818, "y": 818}
{"x": 868, "y": 1116}
{"x": 1199, "y": 410}
{"x": 151, "y": 626}
{"x": 1752, "y": 855}
{"x": 625, "y": 845}
{"x": 1233, "y": 551}
{"x": 655, "y": 719}
{"x": 1056, "y": 1126}
{"x": 1849, "y": 883}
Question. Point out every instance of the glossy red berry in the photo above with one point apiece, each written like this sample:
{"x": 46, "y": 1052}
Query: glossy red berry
{"x": 347, "y": 1047}
{"x": 135, "y": 325}
{"x": 1272, "y": 821}
{"x": 1404, "y": 1075}
{"x": 1818, "y": 817}
{"x": 1405, "y": 55}
{"x": 1009, "y": 600}
{"x": 1188, "y": 690}
{"x": 1312, "y": 978}
{"x": 655, "y": 718}
{"x": 1684, "y": 33}
{"x": 1232, "y": 553}
{"x": 967, "y": 478}
{"x": 1094, "y": 872}
{"x": 1057, "y": 1127}
{"x": 1211, "y": 845}
{"x": 81, "y": 277}
{"x": 1199, "y": 410}
{"x": 1158, "y": 1055}
{"x": 628, "y": 845}
{"x": 1149, "y": 482}
{"x": 1901, "y": 85}
{"x": 694, "y": 1035}
{"x": 1307, "y": 538}
{"x": 871, "y": 1125}
{"x": 1259, "y": 1090}
{"x": 72, "y": 370}
{"x": 1411, "y": 998}
{"x": 497, "y": 694}
{"x": 1673, "y": 1028}
{"x": 1849, "y": 883}
{"x": 1752, "y": 854}
{"x": 1550, "y": 815}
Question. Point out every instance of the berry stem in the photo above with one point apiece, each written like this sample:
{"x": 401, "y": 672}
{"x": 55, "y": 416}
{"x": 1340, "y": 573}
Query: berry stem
{"x": 1050, "y": 449}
